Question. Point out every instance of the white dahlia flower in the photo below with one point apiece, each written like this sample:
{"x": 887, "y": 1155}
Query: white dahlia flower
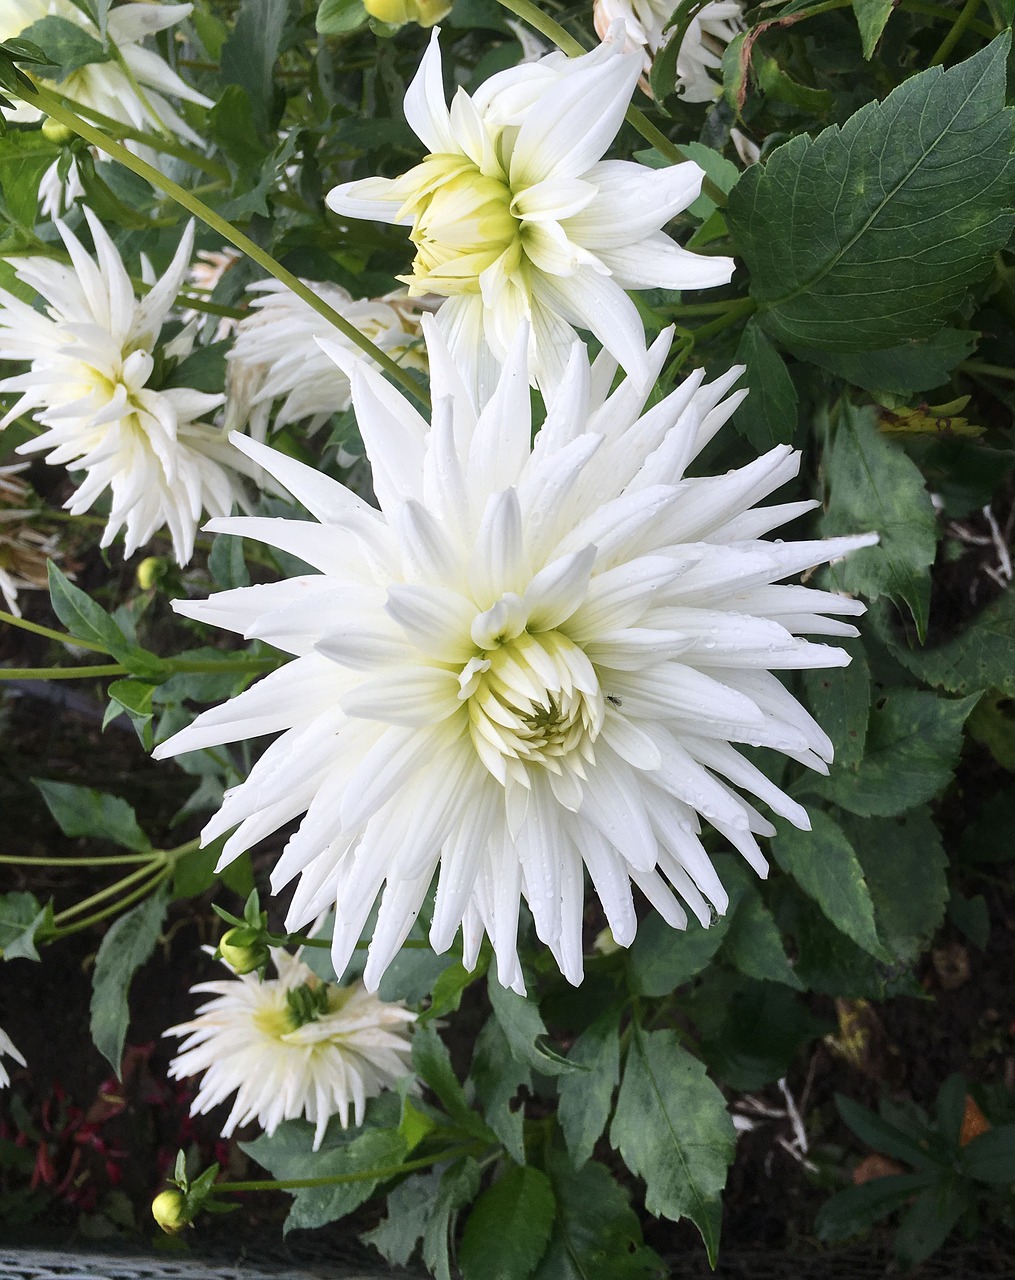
{"x": 515, "y": 215}
{"x": 701, "y": 50}
{"x": 530, "y": 662}
{"x": 92, "y": 355}
{"x": 7, "y": 1047}
{"x": 131, "y": 86}
{"x": 292, "y": 1046}
{"x": 278, "y": 340}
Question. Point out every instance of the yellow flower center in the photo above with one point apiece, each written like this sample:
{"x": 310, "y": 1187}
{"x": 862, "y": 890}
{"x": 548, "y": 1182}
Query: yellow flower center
{"x": 462, "y": 223}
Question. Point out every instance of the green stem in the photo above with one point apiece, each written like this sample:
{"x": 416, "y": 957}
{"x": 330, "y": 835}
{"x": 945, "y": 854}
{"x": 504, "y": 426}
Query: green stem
{"x": 361, "y": 1175}
{"x": 739, "y": 310}
{"x": 141, "y": 892}
{"x": 990, "y": 370}
{"x": 49, "y": 103}
{"x": 118, "y": 860}
{"x": 948, "y": 15}
{"x": 546, "y": 26}
{"x": 959, "y": 27}
{"x": 37, "y": 630}
{"x": 702, "y": 308}
{"x": 62, "y": 673}
{"x": 156, "y": 141}
{"x": 112, "y": 890}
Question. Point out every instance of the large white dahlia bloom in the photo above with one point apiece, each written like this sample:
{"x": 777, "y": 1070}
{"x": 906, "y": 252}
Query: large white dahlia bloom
{"x": 531, "y": 661}
{"x": 515, "y": 215}
{"x": 92, "y": 359}
{"x": 292, "y": 1046}
{"x": 133, "y": 85}
{"x": 699, "y": 58}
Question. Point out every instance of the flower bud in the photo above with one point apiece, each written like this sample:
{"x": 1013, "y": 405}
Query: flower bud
{"x": 397, "y": 12}
{"x": 56, "y": 132}
{"x": 169, "y": 1209}
{"x": 241, "y": 952}
{"x": 148, "y": 572}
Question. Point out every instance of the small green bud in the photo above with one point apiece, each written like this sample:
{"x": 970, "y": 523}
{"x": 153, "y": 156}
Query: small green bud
{"x": 54, "y": 131}
{"x": 169, "y": 1209}
{"x": 148, "y": 572}
{"x": 397, "y": 12}
{"x": 241, "y": 952}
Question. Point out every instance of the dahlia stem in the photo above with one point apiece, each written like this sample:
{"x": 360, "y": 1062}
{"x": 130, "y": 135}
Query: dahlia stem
{"x": 53, "y": 107}
{"x": 959, "y": 28}
{"x": 11, "y": 859}
{"x": 112, "y": 890}
{"x": 141, "y": 892}
{"x": 739, "y": 309}
{"x": 947, "y": 15}
{"x": 38, "y": 630}
{"x": 361, "y": 1175}
{"x": 173, "y": 666}
{"x": 62, "y": 673}
{"x": 546, "y": 26}
{"x": 988, "y": 370}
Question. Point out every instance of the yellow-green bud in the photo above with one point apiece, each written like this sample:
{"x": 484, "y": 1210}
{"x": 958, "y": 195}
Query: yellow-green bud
{"x": 606, "y": 944}
{"x": 397, "y": 12}
{"x": 169, "y": 1209}
{"x": 56, "y": 132}
{"x": 148, "y": 572}
{"x": 239, "y": 955}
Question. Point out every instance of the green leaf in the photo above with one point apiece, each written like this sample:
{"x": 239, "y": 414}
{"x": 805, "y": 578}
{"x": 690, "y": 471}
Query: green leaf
{"x": 912, "y": 366}
{"x": 249, "y": 55}
{"x": 927, "y": 1224}
{"x": 904, "y": 864}
{"x": 981, "y": 657}
{"x": 509, "y": 1227}
{"x": 87, "y": 620}
{"x": 80, "y": 811}
{"x": 226, "y": 563}
{"x": 857, "y": 1208}
{"x": 21, "y": 918}
{"x": 906, "y": 205}
{"x": 409, "y": 1205}
{"x": 497, "y": 1076}
{"x": 913, "y": 743}
{"x": 777, "y": 84}
{"x": 769, "y": 414}
{"x": 597, "y": 1235}
{"x": 875, "y": 487}
{"x": 451, "y": 986}
{"x": 840, "y": 699}
{"x": 135, "y": 698}
{"x": 289, "y": 1153}
{"x": 128, "y": 943}
{"x": 871, "y": 17}
{"x": 990, "y": 1157}
{"x": 432, "y": 1063}
{"x": 883, "y": 1136}
{"x": 203, "y": 370}
{"x": 824, "y": 864}
{"x": 586, "y": 1096}
{"x": 672, "y": 1129}
{"x": 523, "y": 1027}
{"x": 336, "y": 17}
{"x": 458, "y": 1187}
{"x": 24, "y": 158}
{"x": 662, "y": 958}
{"x": 66, "y": 44}
{"x": 753, "y": 944}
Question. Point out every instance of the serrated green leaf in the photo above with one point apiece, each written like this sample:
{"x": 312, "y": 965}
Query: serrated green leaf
{"x": 905, "y": 865}
{"x": 861, "y": 272}
{"x": 913, "y": 744}
{"x": 497, "y": 1076}
{"x": 918, "y": 365}
{"x": 128, "y": 944}
{"x": 24, "y": 158}
{"x": 80, "y": 811}
{"x": 449, "y": 988}
{"x": 769, "y": 414}
{"x": 662, "y": 958}
{"x": 409, "y": 1205}
{"x": 523, "y": 1028}
{"x": 672, "y": 1129}
{"x": 824, "y": 864}
{"x": 586, "y": 1096}
{"x": 981, "y": 657}
{"x": 871, "y": 17}
{"x": 596, "y": 1235}
{"x": 249, "y": 55}
{"x": 875, "y": 487}
{"x": 509, "y": 1227}
{"x": 87, "y": 620}
{"x": 21, "y": 918}
{"x": 458, "y": 1187}
{"x": 840, "y": 699}
{"x": 432, "y": 1063}
{"x": 753, "y": 944}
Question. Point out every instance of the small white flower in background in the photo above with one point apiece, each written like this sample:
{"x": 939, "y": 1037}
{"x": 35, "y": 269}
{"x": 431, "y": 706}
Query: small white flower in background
{"x": 7, "y": 1047}
{"x": 700, "y": 56}
{"x": 531, "y": 662}
{"x": 292, "y": 1046}
{"x": 206, "y": 271}
{"x": 25, "y": 552}
{"x": 92, "y": 356}
{"x": 278, "y": 340}
{"x": 131, "y": 92}
{"x": 515, "y": 215}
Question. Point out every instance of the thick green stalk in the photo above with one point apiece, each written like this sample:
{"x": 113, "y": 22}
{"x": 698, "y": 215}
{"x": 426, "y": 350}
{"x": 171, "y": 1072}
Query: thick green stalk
{"x": 339, "y": 1179}
{"x": 546, "y": 26}
{"x": 51, "y": 104}
{"x": 62, "y": 673}
{"x": 959, "y": 27}
{"x": 37, "y": 630}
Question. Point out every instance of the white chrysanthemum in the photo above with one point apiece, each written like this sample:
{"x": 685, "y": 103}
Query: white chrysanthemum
{"x": 515, "y": 215}
{"x": 7, "y": 1047}
{"x": 700, "y": 55}
{"x": 278, "y": 339}
{"x": 530, "y": 662}
{"x": 130, "y": 87}
{"x": 91, "y": 357}
{"x": 292, "y": 1046}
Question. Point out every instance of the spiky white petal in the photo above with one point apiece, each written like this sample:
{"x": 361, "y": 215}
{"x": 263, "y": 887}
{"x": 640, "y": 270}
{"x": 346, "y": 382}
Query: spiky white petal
{"x": 247, "y": 1041}
{"x": 7, "y": 1047}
